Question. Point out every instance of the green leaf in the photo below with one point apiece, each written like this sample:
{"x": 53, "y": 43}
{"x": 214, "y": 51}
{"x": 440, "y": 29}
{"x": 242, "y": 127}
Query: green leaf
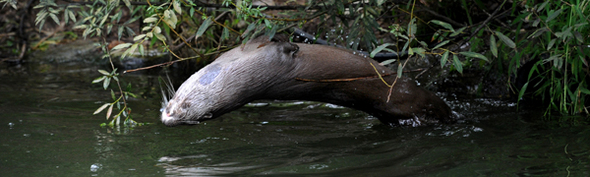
{"x": 578, "y": 36}
{"x": 172, "y": 20}
{"x": 118, "y": 119}
{"x": 552, "y": 15}
{"x": 441, "y": 44}
{"x": 585, "y": 90}
{"x": 249, "y": 29}
{"x": 157, "y": 29}
{"x": 147, "y": 28}
{"x": 536, "y": 22}
{"x": 204, "y": 27}
{"x": 522, "y": 91}
{"x": 141, "y": 50}
{"x": 551, "y": 43}
{"x": 150, "y": 20}
{"x": 106, "y": 83}
{"x": 128, "y": 89}
{"x": 493, "y": 46}
{"x": 542, "y": 6}
{"x": 386, "y": 62}
{"x": 225, "y": 34}
{"x": 132, "y": 95}
{"x": 113, "y": 95}
{"x": 139, "y": 37}
{"x": 412, "y": 28}
{"x": 505, "y": 39}
{"x": 443, "y": 24}
{"x": 101, "y": 108}
{"x": 475, "y": 55}
{"x": 122, "y": 45}
{"x": 271, "y": 33}
{"x": 103, "y": 72}
{"x": 66, "y": 12}
{"x": 127, "y": 3}
{"x": 109, "y": 111}
{"x": 97, "y": 80}
{"x": 54, "y": 17}
{"x": 444, "y": 59}
{"x": 420, "y": 51}
{"x": 176, "y": 4}
{"x": 80, "y": 27}
{"x": 160, "y": 37}
{"x": 538, "y": 32}
{"x": 132, "y": 48}
{"x": 379, "y": 49}
{"x": 457, "y": 63}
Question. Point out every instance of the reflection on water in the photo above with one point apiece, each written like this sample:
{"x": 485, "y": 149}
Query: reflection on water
{"x": 47, "y": 130}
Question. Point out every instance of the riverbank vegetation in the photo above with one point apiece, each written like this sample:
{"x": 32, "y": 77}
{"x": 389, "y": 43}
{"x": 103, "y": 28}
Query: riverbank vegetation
{"x": 530, "y": 50}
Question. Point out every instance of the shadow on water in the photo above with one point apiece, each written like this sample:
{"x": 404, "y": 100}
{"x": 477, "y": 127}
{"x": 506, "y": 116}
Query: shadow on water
{"x": 47, "y": 130}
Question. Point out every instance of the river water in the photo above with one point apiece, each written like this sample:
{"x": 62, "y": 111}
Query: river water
{"x": 47, "y": 129}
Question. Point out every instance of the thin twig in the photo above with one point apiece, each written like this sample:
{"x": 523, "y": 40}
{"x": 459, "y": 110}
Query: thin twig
{"x": 486, "y": 21}
{"x": 200, "y": 4}
{"x": 443, "y": 17}
{"x": 356, "y": 78}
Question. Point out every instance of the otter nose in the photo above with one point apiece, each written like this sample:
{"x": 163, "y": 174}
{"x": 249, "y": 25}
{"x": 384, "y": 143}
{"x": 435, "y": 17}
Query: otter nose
{"x": 169, "y": 112}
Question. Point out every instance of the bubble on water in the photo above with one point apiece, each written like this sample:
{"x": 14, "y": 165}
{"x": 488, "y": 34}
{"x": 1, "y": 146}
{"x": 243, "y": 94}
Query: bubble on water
{"x": 26, "y": 135}
{"x": 95, "y": 167}
{"x": 333, "y": 106}
{"x": 318, "y": 166}
{"x": 477, "y": 129}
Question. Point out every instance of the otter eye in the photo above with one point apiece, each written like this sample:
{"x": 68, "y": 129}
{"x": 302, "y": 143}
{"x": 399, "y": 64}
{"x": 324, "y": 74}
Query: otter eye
{"x": 294, "y": 51}
{"x": 185, "y": 105}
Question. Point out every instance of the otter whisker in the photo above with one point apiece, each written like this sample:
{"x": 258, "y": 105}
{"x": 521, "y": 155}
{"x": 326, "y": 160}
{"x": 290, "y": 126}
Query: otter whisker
{"x": 168, "y": 92}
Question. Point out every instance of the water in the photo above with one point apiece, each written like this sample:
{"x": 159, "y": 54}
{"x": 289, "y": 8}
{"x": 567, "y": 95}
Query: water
{"x": 47, "y": 129}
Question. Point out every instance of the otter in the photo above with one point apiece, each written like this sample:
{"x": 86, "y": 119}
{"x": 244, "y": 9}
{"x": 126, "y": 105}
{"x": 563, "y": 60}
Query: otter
{"x": 280, "y": 70}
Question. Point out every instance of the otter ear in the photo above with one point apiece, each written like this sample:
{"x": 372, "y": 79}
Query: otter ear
{"x": 289, "y": 48}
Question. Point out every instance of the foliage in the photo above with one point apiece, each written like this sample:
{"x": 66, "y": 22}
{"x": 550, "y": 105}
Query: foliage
{"x": 560, "y": 30}
{"x": 12, "y": 3}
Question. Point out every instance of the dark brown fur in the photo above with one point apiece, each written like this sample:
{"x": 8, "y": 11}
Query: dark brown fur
{"x": 282, "y": 70}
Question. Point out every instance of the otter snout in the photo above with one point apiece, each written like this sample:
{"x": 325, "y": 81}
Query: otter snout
{"x": 168, "y": 116}
{"x": 176, "y": 114}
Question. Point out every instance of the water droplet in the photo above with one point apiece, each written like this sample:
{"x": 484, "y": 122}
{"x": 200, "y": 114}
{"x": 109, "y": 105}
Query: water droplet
{"x": 95, "y": 167}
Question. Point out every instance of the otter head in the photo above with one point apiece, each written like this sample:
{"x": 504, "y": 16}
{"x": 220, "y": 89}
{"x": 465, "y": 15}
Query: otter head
{"x": 232, "y": 80}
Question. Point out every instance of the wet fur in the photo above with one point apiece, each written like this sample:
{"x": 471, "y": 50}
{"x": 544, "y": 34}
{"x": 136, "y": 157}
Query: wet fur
{"x": 264, "y": 69}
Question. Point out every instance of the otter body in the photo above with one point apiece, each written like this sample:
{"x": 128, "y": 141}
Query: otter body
{"x": 262, "y": 69}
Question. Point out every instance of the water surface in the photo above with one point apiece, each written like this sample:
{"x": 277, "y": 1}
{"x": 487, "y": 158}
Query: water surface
{"x": 48, "y": 129}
